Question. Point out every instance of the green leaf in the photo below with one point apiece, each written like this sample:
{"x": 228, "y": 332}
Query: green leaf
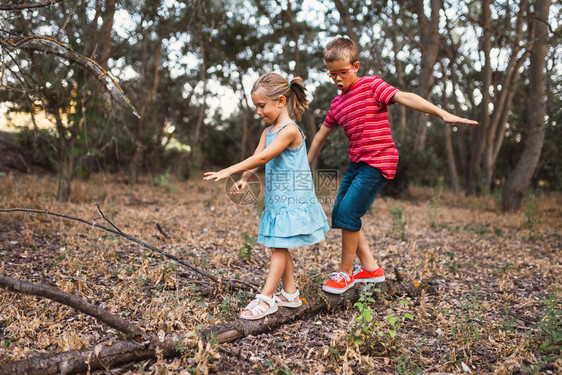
{"x": 409, "y": 316}
{"x": 392, "y": 320}
{"x": 392, "y": 333}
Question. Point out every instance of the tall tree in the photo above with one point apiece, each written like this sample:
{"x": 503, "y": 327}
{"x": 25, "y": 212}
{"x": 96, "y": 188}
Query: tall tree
{"x": 489, "y": 136}
{"x": 429, "y": 46}
{"x": 519, "y": 179}
{"x": 64, "y": 91}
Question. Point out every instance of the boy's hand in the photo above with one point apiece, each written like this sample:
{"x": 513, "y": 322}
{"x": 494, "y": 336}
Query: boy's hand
{"x": 452, "y": 119}
{"x": 238, "y": 187}
{"x": 217, "y": 176}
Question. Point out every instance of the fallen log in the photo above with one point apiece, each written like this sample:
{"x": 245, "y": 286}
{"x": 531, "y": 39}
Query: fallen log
{"x": 312, "y": 305}
{"x": 101, "y": 356}
{"x": 126, "y": 351}
{"x": 55, "y": 294}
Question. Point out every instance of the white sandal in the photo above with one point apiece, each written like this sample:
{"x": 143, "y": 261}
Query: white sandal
{"x": 290, "y": 302}
{"x": 257, "y": 310}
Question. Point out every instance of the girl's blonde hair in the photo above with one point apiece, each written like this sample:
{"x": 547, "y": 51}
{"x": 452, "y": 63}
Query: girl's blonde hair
{"x": 273, "y": 86}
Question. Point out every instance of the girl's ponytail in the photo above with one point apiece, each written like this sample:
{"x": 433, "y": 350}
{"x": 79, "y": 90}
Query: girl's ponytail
{"x": 274, "y": 85}
{"x": 298, "y": 99}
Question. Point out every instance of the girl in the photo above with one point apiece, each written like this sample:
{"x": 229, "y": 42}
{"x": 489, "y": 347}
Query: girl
{"x": 292, "y": 216}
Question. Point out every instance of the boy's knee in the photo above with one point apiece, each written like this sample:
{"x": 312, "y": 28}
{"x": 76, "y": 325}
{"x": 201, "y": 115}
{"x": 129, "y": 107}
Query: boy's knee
{"x": 347, "y": 222}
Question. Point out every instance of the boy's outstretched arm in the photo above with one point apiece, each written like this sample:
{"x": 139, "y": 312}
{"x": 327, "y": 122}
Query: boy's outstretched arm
{"x": 318, "y": 142}
{"x": 414, "y": 101}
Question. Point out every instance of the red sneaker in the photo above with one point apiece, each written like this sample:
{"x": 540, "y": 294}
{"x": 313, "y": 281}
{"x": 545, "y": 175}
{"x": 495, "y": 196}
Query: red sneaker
{"x": 339, "y": 283}
{"x": 362, "y": 276}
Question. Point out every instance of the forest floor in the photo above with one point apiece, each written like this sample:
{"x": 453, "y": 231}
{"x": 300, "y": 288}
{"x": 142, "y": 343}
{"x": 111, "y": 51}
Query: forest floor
{"x": 498, "y": 306}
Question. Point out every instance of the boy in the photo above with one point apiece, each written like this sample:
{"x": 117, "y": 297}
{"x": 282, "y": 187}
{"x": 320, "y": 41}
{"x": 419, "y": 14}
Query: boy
{"x": 362, "y": 110}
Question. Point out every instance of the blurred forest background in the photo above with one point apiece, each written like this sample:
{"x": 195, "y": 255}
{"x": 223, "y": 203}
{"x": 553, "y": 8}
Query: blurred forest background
{"x": 186, "y": 67}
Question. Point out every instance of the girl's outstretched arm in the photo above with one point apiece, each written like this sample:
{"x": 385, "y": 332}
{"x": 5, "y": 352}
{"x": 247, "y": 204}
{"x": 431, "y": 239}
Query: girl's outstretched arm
{"x": 414, "y": 101}
{"x": 285, "y": 137}
{"x": 243, "y": 182}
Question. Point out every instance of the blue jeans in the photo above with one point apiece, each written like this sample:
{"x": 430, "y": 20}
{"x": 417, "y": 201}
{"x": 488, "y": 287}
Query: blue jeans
{"x": 359, "y": 188}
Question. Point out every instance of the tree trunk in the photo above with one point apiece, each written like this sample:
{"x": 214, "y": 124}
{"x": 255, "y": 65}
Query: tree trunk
{"x": 503, "y": 100}
{"x": 489, "y": 135}
{"x": 104, "y": 38}
{"x": 479, "y": 133}
{"x": 67, "y": 160}
{"x": 346, "y": 20}
{"x": 429, "y": 38}
{"x": 195, "y": 155}
{"x": 396, "y": 48}
{"x": 145, "y": 112}
{"x": 297, "y": 72}
{"x": 447, "y": 132}
{"x": 520, "y": 178}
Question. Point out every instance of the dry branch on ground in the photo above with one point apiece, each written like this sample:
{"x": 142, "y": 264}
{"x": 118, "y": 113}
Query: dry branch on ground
{"x": 497, "y": 279}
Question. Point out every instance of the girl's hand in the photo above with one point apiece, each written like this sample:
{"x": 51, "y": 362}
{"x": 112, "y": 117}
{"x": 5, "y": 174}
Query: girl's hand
{"x": 217, "y": 176}
{"x": 452, "y": 119}
{"x": 238, "y": 187}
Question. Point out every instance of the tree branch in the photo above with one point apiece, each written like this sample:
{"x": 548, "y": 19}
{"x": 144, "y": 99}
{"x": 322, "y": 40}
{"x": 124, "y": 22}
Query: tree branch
{"x": 236, "y": 284}
{"x": 41, "y": 4}
{"x": 55, "y": 294}
{"x": 52, "y": 46}
{"x": 101, "y": 357}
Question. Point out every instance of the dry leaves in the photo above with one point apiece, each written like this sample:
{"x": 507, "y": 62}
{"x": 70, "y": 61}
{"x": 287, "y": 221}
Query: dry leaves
{"x": 495, "y": 271}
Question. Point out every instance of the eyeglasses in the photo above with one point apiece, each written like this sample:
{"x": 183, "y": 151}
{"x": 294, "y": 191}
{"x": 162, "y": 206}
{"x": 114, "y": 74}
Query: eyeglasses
{"x": 342, "y": 73}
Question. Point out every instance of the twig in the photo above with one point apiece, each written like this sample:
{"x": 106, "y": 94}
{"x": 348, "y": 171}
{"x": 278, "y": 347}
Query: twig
{"x": 227, "y": 282}
{"x": 106, "y": 219}
{"x": 55, "y": 294}
{"x": 161, "y": 231}
{"x": 29, "y": 6}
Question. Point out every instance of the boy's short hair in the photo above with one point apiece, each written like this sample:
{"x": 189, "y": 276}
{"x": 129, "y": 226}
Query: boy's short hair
{"x": 340, "y": 49}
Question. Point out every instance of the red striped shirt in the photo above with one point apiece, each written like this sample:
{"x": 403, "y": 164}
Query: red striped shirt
{"x": 362, "y": 112}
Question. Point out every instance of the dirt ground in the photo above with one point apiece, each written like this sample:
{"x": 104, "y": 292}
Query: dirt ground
{"x": 497, "y": 309}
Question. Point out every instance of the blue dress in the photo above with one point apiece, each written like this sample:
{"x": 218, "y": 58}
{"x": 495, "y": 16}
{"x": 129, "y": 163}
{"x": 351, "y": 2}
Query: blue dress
{"x": 292, "y": 216}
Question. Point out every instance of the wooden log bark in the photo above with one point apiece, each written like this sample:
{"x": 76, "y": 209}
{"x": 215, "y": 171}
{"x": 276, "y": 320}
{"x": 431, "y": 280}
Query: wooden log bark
{"x": 108, "y": 356}
{"x": 101, "y": 356}
{"x": 312, "y": 305}
{"x": 55, "y": 294}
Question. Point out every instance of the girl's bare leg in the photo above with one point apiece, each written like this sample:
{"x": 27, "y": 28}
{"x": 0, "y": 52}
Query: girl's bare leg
{"x": 277, "y": 268}
{"x": 288, "y": 278}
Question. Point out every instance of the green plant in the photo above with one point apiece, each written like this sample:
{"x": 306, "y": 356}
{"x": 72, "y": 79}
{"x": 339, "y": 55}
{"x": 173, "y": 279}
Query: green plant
{"x": 371, "y": 334}
{"x": 246, "y": 249}
{"x": 162, "y": 180}
{"x": 531, "y": 214}
{"x": 465, "y": 327}
{"x": 275, "y": 370}
{"x": 227, "y": 307}
{"x": 398, "y": 225}
{"x": 509, "y": 323}
{"x": 550, "y": 327}
{"x": 452, "y": 265}
{"x": 434, "y": 207}
{"x": 405, "y": 365}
